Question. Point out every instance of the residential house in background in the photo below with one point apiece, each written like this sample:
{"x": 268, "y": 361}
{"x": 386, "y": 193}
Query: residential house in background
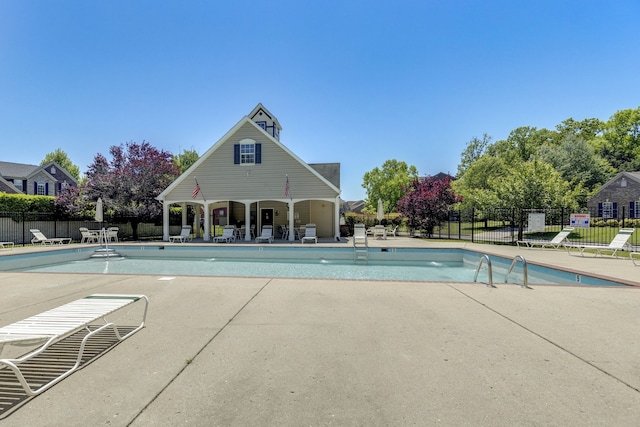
{"x": 46, "y": 180}
{"x": 619, "y": 197}
{"x": 250, "y": 179}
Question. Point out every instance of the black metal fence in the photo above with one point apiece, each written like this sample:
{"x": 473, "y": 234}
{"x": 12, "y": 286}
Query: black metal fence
{"x": 497, "y": 226}
{"x": 507, "y": 226}
{"x": 15, "y": 227}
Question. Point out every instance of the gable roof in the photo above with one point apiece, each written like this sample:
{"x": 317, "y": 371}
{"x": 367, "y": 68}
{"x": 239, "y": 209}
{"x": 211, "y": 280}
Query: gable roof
{"x": 634, "y": 176}
{"x": 245, "y": 121}
{"x": 17, "y": 170}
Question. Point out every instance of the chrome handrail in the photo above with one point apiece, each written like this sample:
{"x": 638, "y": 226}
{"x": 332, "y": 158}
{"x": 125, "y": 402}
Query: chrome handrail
{"x": 525, "y": 275}
{"x": 489, "y": 270}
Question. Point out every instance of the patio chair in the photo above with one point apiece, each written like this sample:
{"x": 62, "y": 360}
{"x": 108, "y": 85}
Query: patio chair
{"x": 559, "y": 239}
{"x": 379, "y": 232}
{"x": 228, "y": 235}
{"x": 185, "y": 235}
{"x": 39, "y": 237}
{"x": 88, "y": 236}
{"x": 267, "y": 234}
{"x": 112, "y": 234}
{"x": 619, "y": 243}
{"x": 6, "y": 245}
{"x": 392, "y": 231}
{"x": 310, "y": 233}
{"x": 45, "y": 329}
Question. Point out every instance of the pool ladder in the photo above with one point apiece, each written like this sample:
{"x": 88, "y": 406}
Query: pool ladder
{"x": 525, "y": 275}
{"x": 361, "y": 252}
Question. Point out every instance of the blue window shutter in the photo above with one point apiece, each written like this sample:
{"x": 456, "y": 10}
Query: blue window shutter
{"x": 600, "y": 210}
{"x": 615, "y": 209}
{"x": 632, "y": 209}
{"x": 35, "y": 188}
{"x": 236, "y": 154}
{"x": 46, "y": 188}
{"x": 258, "y": 153}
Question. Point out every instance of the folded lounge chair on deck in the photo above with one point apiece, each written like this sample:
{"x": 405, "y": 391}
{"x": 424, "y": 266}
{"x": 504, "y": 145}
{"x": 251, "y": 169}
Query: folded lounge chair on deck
{"x": 619, "y": 243}
{"x": 39, "y": 237}
{"x": 560, "y": 239}
{"x": 267, "y": 234}
{"x": 310, "y": 233}
{"x": 185, "y": 234}
{"x": 228, "y": 235}
{"x": 49, "y": 327}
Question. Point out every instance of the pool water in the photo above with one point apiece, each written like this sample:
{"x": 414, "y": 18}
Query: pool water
{"x": 422, "y": 271}
{"x": 328, "y": 269}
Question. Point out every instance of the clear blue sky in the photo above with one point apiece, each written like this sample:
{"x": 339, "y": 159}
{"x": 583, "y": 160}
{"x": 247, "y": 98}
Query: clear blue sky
{"x": 355, "y": 82}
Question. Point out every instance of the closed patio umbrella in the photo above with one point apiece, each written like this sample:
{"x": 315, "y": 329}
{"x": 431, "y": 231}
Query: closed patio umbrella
{"x": 99, "y": 211}
{"x": 380, "y": 210}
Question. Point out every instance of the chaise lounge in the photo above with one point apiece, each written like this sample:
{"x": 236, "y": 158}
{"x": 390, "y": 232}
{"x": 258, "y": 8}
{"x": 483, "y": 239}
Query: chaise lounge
{"x": 619, "y": 243}
{"x": 52, "y": 326}
{"x": 560, "y": 239}
{"x": 39, "y": 237}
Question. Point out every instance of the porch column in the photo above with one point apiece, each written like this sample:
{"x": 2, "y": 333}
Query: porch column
{"x": 165, "y": 221}
{"x": 292, "y": 231}
{"x": 336, "y": 219}
{"x": 207, "y": 223}
{"x": 183, "y": 205}
{"x": 247, "y": 221}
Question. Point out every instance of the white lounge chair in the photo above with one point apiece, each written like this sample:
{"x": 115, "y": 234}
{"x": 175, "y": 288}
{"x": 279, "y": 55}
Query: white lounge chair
{"x": 619, "y": 243}
{"x": 185, "y": 235}
{"x": 47, "y": 328}
{"x": 558, "y": 240}
{"x": 6, "y": 245}
{"x": 228, "y": 235}
{"x": 310, "y": 233}
{"x": 392, "y": 231}
{"x": 267, "y": 234}
{"x": 39, "y": 237}
{"x": 88, "y": 236}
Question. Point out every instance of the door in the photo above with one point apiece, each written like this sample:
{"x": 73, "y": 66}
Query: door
{"x": 266, "y": 217}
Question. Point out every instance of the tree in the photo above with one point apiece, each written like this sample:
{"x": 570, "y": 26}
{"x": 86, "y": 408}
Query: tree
{"x": 427, "y": 202}
{"x": 131, "y": 181}
{"x": 475, "y": 186}
{"x": 587, "y": 128}
{"x": 388, "y": 184}
{"x": 621, "y": 145}
{"x": 474, "y": 150}
{"x": 577, "y": 162}
{"x": 61, "y": 158}
{"x": 185, "y": 160}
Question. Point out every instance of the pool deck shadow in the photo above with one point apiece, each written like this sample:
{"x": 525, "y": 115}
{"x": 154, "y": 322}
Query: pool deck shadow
{"x": 290, "y": 352}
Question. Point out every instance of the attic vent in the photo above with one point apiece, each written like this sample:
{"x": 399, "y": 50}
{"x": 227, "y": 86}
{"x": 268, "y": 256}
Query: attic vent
{"x": 623, "y": 182}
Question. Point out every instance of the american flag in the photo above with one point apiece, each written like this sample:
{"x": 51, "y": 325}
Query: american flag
{"x": 286, "y": 188}
{"x": 196, "y": 190}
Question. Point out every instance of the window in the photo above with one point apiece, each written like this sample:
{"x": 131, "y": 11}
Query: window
{"x": 247, "y": 152}
{"x": 263, "y": 125}
{"x": 41, "y": 189}
{"x": 607, "y": 210}
{"x": 636, "y": 210}
{"x": 18, "y": 184}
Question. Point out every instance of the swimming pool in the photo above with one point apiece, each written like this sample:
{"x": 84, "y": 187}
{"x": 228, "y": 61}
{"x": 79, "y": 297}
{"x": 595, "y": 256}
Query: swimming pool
{"x": 396, "y": 264}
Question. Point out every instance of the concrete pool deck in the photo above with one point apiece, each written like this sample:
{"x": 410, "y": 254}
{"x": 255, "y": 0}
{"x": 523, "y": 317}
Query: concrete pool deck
{"x": 264, "y": 351}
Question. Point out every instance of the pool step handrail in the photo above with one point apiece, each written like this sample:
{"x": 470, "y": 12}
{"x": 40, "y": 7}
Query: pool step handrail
{"x": 525, "y": 275}
{"x": 486, "y": 258}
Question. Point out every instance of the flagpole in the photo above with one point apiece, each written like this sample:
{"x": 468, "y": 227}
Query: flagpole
{"x": 197, "y": 190}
